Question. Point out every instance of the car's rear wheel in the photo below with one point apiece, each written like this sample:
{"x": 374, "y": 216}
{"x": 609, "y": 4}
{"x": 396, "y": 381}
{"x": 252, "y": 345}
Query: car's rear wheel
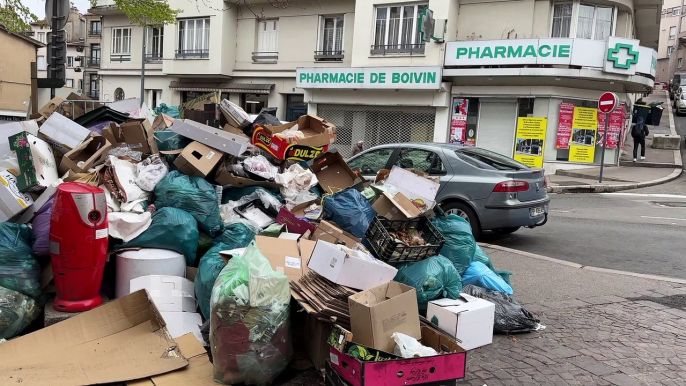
{"x": 506, "y": 231}
{"x": 465, "y": 211}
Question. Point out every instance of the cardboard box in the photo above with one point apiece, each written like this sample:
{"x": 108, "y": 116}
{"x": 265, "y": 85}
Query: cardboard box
{"x": 317, "y": 334}
{"x": 319, "y": 134}
{"x": 349, "y": 268}
{"x": 62, "y": 133}
{"x": 422, "y": 191}
{"x": 395, "y": 207}
{"x": 11, "y": 128}
{"x": 91, "y": 152}
{"x": 38, "y": 203}
{"x": 138, "y": 134}
{"x": 289, "y": 257}
{"x": 469, "y": 319}
{"x": 198, "y": 160}
{"x": 333, "y": 173}
{"x": 215, "y": 138}
{"x": 375, "y": 314}
{"x": 225, "y": 177}
{"x": 127, "y": 334}
{"x": 438, "y": 370}
{"x": 169, "y": 293}
{"x": 197, "y": 373}
{"x": 36, "y": 162}
{"x": 294, "y": 224}
{"x": 81, "y": 105}
{"x": 50, "y": 107}
{"x": 12, "y": 201}
{"x": 113, "y": 134}
{"x": 330, "y": 233}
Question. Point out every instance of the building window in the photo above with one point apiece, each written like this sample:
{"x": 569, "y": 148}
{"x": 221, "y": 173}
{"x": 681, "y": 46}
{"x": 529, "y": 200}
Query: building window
{"x": 562, "y": 20}
{"x": 154, "y": 98}
{"x": 676, "y": 11}
{"x": 96, "y": 28}
{"x": 678, "y": 62}
{"x": 80, "y": 85}
{"x": 154, "y": 44}
{"x": 70, "y": 62}
{"x": 70, "y": 83}
{"x": 94, "y": 59}
{"x": 121, "y": 41}
{"x": 330, "y": 42}
{"x": 672, "y": 33}
{"x": 396, "y": 30}
{"x": 267, "y": 42}
{"x": 41, "y": 37}
{"x": 194, "y": 38}
{"x": 40, "y": 63}
{"x": 670, "y": 49}
{"x": 595, "y": 22}
{"x": 119, "y": 94}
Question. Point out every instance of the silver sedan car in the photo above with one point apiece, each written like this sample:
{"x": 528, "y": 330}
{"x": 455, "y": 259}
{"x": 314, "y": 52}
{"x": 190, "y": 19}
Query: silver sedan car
{"x": 490, "y": 191}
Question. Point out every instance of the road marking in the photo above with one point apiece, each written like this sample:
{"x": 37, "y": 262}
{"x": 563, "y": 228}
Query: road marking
{"x": 653, "y": 195}
{"x": 664, "y": 218}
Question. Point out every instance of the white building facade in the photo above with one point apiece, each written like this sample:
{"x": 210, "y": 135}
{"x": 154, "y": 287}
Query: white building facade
{"x": 364, "y": 66}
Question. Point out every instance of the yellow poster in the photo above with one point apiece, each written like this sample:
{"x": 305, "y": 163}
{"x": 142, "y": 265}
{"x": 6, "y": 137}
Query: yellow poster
{"x": 530, "y": 141}
{"x": 584, "y": 131}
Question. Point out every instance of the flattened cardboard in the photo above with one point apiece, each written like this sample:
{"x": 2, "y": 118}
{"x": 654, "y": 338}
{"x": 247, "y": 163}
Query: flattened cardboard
{"x": 294, "y": 224}
{"x": 182, "y": 323}
{"x": 122, "y": 340}
{"x": 396, "y": 207}
{"x": 12, "y": 201}
{"x": 198, "y": 160}
{"x": 333, "y": 173}
{"x": 91, "y": 152}
{"x": 317, "y": 333}
{"x": 330, "y": 233}
{"x": 212, "y": 137}
{"x": 469, "y": 319}
{"x": 417, "y": 189}
{"x": 375, "y": 314}
{"x": 62, "y": 133}
{"x": 197, "y": 373}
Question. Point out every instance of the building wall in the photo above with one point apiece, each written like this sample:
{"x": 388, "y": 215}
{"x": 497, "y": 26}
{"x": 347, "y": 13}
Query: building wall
{"x": 666, "y": 22}
{"x": 15, "y": 82}
{"x": 131, "y": 84}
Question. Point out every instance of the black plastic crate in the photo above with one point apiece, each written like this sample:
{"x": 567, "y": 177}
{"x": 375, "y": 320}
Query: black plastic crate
{"x": 386, "y": 249}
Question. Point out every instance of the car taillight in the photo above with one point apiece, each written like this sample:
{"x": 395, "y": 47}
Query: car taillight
{"x": 511, "y": 187}
{"x": 545, "y": 182}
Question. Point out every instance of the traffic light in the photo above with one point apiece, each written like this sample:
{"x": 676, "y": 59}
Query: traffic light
{"x": 57, "y": 55}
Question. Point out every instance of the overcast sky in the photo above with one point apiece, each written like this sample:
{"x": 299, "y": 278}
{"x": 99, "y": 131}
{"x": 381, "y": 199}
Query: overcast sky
{"x": 38, "y": 6}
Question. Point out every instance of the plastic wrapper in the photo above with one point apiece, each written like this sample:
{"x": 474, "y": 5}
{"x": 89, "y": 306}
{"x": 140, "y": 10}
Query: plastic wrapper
{"x": 460, "y": 245}
{"x": 350, "y": 211}
{"x": 41, "y": 230}
{"x": 171, "y": 229}
{"x": 17, "y": 311}
{"x": 229, "y": 216}
{"x": 510, "y": 316}
{"x": 481, "y": 276}
{"x": 481, "y": 256}
{"x": 238, "y": 114}
{"x": 260, "y": 166}
{"x": 433, "y": 278}
{"x": 126, "y": 226}
{"x": 409, "y": 347}
{"x": 267, "y": 116}
{"x": 193, "y": 195}
{"x": 150, "y": 172}
{"x": 19, "y": 270}
{"x": 119, "y": 177}
{"x": 249, "y": 321}
{"x": 297, "y": 183}
{"x": 235, "y": 194}
{"x": 125, "y": 151}
{"x": 172, "y": 111}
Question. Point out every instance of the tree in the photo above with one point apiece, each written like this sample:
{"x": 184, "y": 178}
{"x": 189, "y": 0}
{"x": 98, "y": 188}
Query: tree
{"x": 146, "y": 12}
{"x": 15, "y": 16}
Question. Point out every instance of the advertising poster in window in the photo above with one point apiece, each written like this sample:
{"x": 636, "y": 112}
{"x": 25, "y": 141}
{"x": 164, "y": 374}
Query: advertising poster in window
{"x": 564, "y": 125}
{"x": 614, "y": 128}
{"x": 458, "y": 123}
{"x": 530, "y": 141}
{"x": 584, "y": 133}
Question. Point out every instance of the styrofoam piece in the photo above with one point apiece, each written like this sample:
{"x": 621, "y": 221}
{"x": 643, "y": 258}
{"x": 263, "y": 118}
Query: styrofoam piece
{"x": 146, "y": 262}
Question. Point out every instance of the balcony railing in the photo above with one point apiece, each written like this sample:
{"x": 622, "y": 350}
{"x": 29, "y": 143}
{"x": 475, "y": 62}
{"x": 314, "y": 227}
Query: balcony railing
{"x": 93, "y": 62}
{"x": 94, "y": 32}
{"x": 120, "y": 58}
{"x": 328, "y": 56}
{"x": 153, "y": 57}
{"x": 265, "y": 57}
{"x": 405, "y": 49}
{"x": 193, "y": 54}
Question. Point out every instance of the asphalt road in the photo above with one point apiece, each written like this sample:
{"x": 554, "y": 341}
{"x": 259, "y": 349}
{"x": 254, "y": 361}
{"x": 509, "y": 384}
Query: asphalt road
{"x": 642, "y": 230}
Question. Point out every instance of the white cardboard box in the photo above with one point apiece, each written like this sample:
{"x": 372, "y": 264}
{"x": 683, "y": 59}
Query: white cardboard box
{"x": 212, "y": 137}
{"x": 413, "y": 186}
{"x": 349, "y": 268}
{"x": 11, "y": 128}
{"x": 12, "y": 201}
{"x": 182, "y": 323}
{"x": 169, "y": 293}
{"x": 469, "y": 319}
{"x": 63, "y": 133}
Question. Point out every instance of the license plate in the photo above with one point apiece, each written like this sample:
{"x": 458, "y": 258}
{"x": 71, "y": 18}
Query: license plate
{"x": 537, "y": 211}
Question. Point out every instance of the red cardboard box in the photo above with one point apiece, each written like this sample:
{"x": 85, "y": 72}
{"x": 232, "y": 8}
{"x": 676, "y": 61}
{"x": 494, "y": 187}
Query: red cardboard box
{"x": 294, "y": 224}
{"x": 319, "y": 134}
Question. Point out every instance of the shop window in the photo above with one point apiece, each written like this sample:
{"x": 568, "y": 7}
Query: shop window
{"x": 253, "y": 104}
{"x": 464, "y": 122}
{"x": 396, "y": 30}
{"x": 424, "y": 160}
{"x": 370, "y": 163}
{"x": 525, "y": 107}
{"x": 582, "y": 20}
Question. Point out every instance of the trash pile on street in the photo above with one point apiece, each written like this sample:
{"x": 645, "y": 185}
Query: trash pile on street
{"x": 162, "y": 243}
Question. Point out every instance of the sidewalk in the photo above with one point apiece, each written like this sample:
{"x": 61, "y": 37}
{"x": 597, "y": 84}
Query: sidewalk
{"x": 659, "y": 167}
{"x": 601, "y": 328}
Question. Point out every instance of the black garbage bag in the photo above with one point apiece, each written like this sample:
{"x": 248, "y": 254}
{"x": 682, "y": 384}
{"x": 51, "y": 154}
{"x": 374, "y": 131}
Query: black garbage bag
{"x": 267, "y": 116}
{"x": 510, "y": 316}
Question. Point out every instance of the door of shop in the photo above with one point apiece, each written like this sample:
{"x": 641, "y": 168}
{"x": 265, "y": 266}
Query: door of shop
{"x": 295, "y": 107}
{"x": 497, "y": 122}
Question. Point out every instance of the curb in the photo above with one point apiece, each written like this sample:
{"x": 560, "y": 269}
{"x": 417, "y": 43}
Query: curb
{"x": 604, "y": 188}
{"x": 672, "y": 128}
{"x": 587, "y": 267}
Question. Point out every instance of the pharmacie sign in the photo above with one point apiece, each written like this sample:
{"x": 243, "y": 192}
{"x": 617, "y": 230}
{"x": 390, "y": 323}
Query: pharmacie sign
{"x": 391, "y": 78}
{"x": 614, "y": 55}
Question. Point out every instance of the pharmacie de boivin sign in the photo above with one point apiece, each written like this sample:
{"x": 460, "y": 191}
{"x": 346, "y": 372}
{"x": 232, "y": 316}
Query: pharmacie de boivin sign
{"x": 613, "y": 55}
{"x": 390, "y": 78}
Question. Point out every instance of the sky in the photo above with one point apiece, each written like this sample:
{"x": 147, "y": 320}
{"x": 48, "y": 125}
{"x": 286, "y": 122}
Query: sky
{"x": 38, "y": 6}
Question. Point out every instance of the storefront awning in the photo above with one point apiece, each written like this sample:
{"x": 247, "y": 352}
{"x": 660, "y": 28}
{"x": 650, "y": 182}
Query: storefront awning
{"x": 243, "y": 88}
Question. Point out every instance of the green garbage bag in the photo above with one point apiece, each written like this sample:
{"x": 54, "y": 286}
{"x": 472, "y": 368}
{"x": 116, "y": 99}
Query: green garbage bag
{"x": 172, "y": 111}
{"x": 460, "y": 245}
{"x": 17, "y": 311}
{"x": 194, "y": 195}
{"x": 19, "y": 269}
{"x": 168, "y": 140}
{"x": 481, "y": 256}
{"x": 171, "y": 229}
{"x": 433, "y": 278}
{"x": 235, "y": 234}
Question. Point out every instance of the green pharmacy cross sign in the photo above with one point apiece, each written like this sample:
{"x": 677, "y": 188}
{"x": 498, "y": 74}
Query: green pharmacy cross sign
{"x": 616, "y": 63}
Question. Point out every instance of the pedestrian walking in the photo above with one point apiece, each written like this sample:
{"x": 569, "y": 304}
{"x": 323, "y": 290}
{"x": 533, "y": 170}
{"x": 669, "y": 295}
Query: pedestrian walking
{"x": 357, "y": 148}
{"x": 639, "y": 132}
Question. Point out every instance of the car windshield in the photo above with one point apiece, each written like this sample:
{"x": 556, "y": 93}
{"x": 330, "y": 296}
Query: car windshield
{"x": 485, "y": 159}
